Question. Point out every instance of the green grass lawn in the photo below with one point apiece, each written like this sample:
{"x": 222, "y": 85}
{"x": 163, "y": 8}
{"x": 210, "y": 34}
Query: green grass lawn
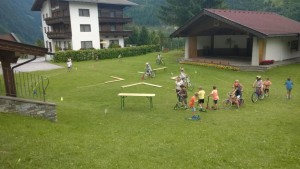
{"x": 93, "y": 132}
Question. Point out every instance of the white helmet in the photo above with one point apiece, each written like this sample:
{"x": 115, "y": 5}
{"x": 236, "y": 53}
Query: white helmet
{"x": 147, "y": 63}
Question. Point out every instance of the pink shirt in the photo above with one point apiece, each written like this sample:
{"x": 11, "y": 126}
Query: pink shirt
{"x": 214, "y": 94}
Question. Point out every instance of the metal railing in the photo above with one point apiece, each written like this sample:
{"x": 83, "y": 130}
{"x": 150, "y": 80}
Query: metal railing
{"x": 28, "y": 85}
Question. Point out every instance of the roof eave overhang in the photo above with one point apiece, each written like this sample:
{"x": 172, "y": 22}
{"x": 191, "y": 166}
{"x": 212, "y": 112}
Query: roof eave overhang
{"x": 284, "y": 35}
{"x": 22, "y": 48}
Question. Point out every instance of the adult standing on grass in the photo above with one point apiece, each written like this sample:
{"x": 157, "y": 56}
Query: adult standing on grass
{"x": 289, "y": 86}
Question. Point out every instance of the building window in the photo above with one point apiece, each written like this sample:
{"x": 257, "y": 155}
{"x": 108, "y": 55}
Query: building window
{"x": 99, "y": 13}
{"x": 85, "y": 28}
{"x": 112, "y": 14}
{"x": 86, "y": 44}
{"x": 114, "y": 42}
{"x": 45, "y": 29}
{"x": 113, "y": 27}
{"x": 66, "y": 13}
{"x": 84, "y": 12}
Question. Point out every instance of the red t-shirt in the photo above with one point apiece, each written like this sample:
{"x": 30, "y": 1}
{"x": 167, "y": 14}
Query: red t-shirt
{"x": 192, "y": 101}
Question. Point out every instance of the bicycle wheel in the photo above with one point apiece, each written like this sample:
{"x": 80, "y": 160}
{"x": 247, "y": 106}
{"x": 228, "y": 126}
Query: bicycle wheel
{"x": 226, "y": 104}
{"x": 254, "y": 97}
{"x": 145, "y": 76}
{"x": 261, "y": 96}
{"x": 267, "y": 94}
{"x": 242, "y": 101}
{"x": 157, "y": 61}
{"x": 152, "y": 74}
{"x": 190, "y": 86}
{"x": 176, "y": 106}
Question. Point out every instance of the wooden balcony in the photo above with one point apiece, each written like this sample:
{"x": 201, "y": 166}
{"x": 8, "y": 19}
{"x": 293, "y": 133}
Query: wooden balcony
{"x": 56, "y": 20}
{"x": 59, "y": 35}
{"x": 114, "y": 20}
{"x": 116, "y": 33}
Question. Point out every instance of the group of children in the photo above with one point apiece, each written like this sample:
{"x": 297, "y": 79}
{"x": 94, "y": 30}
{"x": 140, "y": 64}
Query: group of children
{"x": 235, "y": 95}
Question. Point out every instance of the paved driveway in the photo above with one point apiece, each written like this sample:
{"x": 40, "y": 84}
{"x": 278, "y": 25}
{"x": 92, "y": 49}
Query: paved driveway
{"x": 38, "y": 64}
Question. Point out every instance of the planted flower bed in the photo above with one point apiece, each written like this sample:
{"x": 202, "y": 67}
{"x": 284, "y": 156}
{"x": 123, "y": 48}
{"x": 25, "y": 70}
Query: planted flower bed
{"x": 211, "y": 65}
{"x": 266, "y": 62}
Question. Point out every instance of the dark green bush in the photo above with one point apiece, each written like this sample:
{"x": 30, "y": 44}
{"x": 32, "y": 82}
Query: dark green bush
{"x": 92, "y": 54}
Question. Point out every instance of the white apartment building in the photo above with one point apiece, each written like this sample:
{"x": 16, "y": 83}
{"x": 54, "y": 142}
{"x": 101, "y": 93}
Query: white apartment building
{"x": 83, "y": 24}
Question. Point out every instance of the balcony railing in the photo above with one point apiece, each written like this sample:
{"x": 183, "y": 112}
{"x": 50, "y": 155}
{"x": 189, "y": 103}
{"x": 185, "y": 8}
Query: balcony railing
{"x": 56, "y": 20}
{"x": 59, "y": 35}
{"x": 114, "y": 20}
{"x": 116, "y": 33}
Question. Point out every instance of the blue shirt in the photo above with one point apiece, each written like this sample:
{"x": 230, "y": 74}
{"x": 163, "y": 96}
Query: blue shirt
{"x": 289, "y": 84}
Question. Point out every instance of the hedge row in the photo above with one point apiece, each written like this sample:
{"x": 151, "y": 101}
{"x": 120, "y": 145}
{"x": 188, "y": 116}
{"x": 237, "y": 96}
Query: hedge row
{"x": 93, "y": 54}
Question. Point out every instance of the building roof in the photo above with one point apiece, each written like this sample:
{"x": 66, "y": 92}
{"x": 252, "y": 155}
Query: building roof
{"x": 261, "y": 24}
{"x": 21, "y": 48}
{"x": 112, "y": 2}
{"x": 10, "y": 37}
{"x": 37, "y": 5}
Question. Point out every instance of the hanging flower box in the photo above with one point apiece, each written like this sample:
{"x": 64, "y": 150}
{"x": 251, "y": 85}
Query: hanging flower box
{"x": 266, "y": 62}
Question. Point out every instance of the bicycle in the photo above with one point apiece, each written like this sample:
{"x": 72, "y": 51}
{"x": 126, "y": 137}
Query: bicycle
{"x": 189, "y": 84}
{"x": 148, "y": 74}
{"x": 257, "y": 94}
{"x": 227, "y": 103}
{"x": 179, "y": 104}
{"x": 160, "y": 61}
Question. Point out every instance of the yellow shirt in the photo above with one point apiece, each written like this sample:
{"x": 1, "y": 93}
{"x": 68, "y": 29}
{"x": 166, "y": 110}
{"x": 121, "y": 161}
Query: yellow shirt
{"x": 201, "y": 94}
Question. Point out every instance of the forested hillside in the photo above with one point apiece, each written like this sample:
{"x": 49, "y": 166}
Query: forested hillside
{"x": 146, "y": 12}
{"x": 16, "y": 15}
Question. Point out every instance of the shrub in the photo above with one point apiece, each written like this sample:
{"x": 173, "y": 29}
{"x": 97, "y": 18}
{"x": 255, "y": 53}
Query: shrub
{"x": 92, "y": 54}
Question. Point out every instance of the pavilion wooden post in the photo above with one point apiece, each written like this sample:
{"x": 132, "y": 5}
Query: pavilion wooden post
{"x": 192, "y": 47}
{"x": 6, "y": 58}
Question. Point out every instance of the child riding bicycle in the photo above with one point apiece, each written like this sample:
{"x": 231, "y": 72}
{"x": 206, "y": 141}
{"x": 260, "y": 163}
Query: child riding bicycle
{"x": 258, "y": 84}
{"x": 159, "y": 60}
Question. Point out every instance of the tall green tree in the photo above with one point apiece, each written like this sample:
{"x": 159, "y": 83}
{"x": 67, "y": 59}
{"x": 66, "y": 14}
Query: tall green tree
{"x": 177, "y": 12}
{"x": 291, "y": 9}
{"x": 133, "y": 39}
{"x": 39, "y": 43}
{"x": 154, "y": 38}
{"x": 144, "y": 37}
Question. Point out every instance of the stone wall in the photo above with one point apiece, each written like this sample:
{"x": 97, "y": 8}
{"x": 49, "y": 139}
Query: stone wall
{"x": 28, "y": 107}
